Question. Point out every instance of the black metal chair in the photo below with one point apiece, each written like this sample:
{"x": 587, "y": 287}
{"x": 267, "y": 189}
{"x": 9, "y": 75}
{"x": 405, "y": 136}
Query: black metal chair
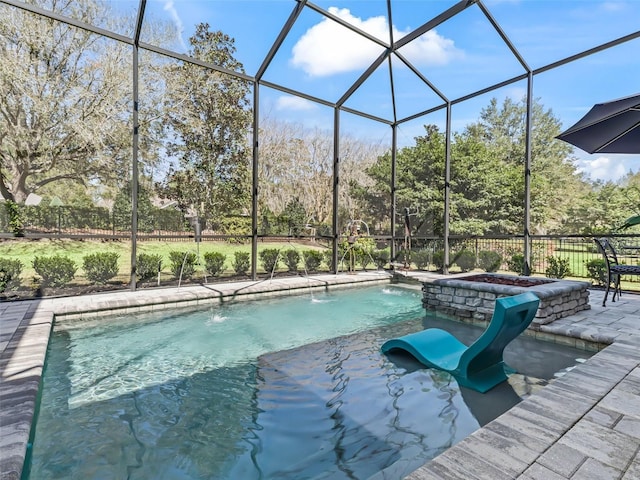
{"x": 614, "y": 268}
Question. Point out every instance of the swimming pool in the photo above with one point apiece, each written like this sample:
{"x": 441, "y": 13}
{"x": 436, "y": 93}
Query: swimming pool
{"x": 288, "y": 388}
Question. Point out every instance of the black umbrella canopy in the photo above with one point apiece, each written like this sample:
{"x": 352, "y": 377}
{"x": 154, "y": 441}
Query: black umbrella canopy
{"x": 611, "y": 127}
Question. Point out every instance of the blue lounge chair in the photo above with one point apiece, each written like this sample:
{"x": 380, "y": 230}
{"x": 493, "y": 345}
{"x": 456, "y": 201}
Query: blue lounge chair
{"x": 479, "y": 366}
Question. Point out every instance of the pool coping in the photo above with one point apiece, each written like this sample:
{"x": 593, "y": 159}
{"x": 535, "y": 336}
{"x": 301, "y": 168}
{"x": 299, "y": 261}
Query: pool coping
{"x": 587, "y": 420}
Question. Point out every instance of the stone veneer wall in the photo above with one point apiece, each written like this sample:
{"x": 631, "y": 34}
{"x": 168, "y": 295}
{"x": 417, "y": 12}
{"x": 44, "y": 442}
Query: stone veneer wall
{"x": 476, "y": 300}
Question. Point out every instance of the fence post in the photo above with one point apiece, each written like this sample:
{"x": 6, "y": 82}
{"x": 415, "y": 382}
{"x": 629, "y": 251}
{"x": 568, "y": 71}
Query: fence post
{"x": 477, "y": 252}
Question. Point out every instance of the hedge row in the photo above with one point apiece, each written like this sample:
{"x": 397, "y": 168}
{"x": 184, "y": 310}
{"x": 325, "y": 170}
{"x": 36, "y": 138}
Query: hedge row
{"x": 101, "y": 267}
{"x": 491, "y": 261}
{"x": 15, "y": 219}
{"x": 466, "y": 260}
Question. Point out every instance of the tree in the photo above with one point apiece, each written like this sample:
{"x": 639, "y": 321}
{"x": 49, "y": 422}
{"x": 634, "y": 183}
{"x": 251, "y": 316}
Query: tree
{"x": 65, "y": 98}
{"x": 487, "y": 175}
{"x": 605, "y": 208}
{"x": 208, "y": 119}
{"x": 555, "y": 181}
{"x": 72, "y": 193}
{"x": 283, "y": 156}
{"x": 486, "y": 193}
{"x": 420, "y": 183}
{"x": 295, "y": 217}
{"x": 296, "y": 167}
{"x": 297, "y": 162}
{"x": 122, "y": 210}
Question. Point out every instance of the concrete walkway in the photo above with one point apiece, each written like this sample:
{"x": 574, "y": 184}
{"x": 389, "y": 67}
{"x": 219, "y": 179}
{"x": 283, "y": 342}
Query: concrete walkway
{"x": 585, "y": 425}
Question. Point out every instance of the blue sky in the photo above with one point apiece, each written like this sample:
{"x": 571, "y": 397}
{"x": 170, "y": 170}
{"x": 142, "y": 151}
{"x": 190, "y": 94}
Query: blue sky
{"x": 463, "y": 55}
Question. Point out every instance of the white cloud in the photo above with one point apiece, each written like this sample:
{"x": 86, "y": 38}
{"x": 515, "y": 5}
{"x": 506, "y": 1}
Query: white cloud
{"x": 328, "y": 48}
{"x": 290, "y": 102}
{"x": 170, "y": 8}
{"x": 603, "y": 168}
{"x": 517, "y": 94}
{"x": 613, "y": 6}
{"x": 430, "y": 49}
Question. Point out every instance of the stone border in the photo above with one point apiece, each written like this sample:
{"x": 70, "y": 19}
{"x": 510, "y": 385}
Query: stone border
{"x": 469, "y": 299}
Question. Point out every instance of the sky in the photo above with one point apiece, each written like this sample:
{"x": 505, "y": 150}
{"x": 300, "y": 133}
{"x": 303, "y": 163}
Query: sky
{"x": 463, "y": 55}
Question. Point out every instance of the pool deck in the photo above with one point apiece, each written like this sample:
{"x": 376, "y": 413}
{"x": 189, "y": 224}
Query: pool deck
{"x": 584, "y": 425}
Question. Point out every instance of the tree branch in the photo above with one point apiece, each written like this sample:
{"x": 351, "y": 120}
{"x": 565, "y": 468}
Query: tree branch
{"x": 55, "y": 178}
{"x": 4, "y": 189}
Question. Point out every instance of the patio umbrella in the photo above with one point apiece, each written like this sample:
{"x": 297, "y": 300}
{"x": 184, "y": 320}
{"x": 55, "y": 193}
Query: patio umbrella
{"x": 630, "y": 222}
{"x": 610, "y": 127}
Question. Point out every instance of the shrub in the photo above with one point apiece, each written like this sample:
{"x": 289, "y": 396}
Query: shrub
{"x": 327, "y": 255}
{"x": 364, "y": 246}
{"x": 557, "y": 268}
{"x": 56, "y": 271}
{"x": 597, "y": 271}
{"x": 169, "y": 219}
{"x": 312, "y": 260}
{"x": 364, "y": 258}
{"x": 270, "y": 259}
{"x": 291, "y": 259}
{"x": 100, "y": 267}
{"x": 516, "y": 263}
{"x": 49, "y": 217}
{"x": 466, "y": 260}
{"x": 10, "y": 271}
{"x": 438, "y": 260}
{"x": 241, "y": 262}
{"x": 238, "y": 225}
{"x": 381, "y": 257}
{"x": 214, "y": 262}
{"x": 148, "y": 266}
{"x": 16, "y": 222}
{"x": 421, "y": 258}
{"x": 344, "y": 252}
{"x": 183, "y": 264}
{"x": 489, "y": 261}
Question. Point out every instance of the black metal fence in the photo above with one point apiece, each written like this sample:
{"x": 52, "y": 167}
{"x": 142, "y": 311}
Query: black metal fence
{"x": 568, "y": 256}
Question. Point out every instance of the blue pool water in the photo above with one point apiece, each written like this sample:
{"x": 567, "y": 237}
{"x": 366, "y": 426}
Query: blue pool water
{"x": 287, "y": 388}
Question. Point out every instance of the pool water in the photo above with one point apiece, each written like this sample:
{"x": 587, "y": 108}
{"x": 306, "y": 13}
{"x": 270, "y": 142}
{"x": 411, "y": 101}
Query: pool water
{"x": 287, "y": 388}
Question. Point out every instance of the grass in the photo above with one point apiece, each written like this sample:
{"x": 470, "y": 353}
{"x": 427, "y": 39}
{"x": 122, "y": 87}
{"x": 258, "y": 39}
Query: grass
{"x": 26, "y": 250}
{"x": 577, "y": 253}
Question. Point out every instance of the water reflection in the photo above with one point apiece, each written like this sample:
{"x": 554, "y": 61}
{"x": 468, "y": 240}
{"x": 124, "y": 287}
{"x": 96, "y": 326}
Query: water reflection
{"x": 357, "y": 416}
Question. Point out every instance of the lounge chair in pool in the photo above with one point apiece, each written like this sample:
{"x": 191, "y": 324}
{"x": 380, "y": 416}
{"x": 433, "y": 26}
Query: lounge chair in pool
{"x": 479, "y": 366}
